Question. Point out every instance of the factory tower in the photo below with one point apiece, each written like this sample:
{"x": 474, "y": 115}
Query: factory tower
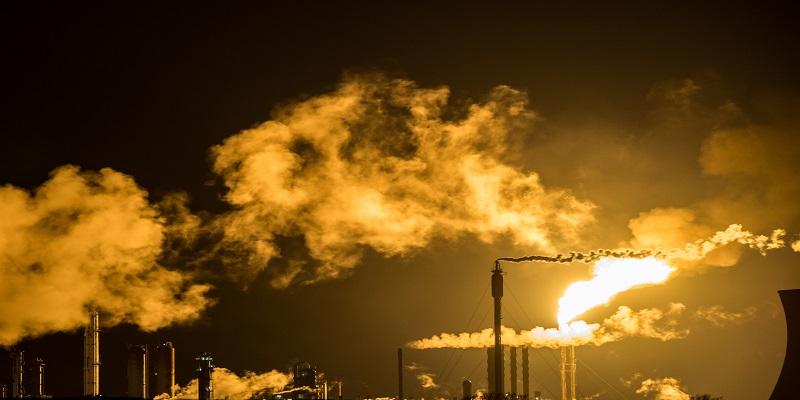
{"x": 91, "y": 356}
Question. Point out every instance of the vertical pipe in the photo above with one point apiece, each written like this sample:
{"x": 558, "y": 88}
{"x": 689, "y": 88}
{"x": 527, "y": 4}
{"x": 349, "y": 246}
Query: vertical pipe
{"x": 526, "y": 382}
{"x": 466, "y": 389}
{"x": 399, "y": 374}
{"x": 39, "y": 386}
{"x": 512, "y": 360}
{"x": 563, "y": 373}
{"x": 490, "y": 371}
{"x": 340, "y": 391}
{"x": 17, "y": 366}
{"x": 572, "y": 368}
{"x": 497, "y": 293}
{"x": 91, "y": 356}
{"x": 205, "y": 370}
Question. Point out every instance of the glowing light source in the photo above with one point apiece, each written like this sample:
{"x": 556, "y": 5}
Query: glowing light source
{"x": 611, "y": 276}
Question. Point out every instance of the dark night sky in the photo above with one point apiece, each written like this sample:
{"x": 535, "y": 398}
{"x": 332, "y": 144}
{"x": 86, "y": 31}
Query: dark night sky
{"x": 148, "y": 89}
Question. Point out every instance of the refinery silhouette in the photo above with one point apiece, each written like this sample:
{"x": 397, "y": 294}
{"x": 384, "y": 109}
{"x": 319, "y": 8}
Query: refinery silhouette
{"x": 150, "y": 372}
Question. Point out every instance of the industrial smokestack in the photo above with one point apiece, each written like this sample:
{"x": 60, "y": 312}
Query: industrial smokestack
{"x": 400, "y": 374}
{"x": 162, "y": 363}
{"x": 788, "y": 385}
{"x": 466, "y": 389}
{"x": 137, "y": 371}
{"x": 340, "y": 391}
{"x": 36, "y": 382}
{"x": 526, "y": 383}
{"x": 490, "y": 370}
{"x": 512, "y": 360}
{"x": 91, "y": 356}
{"x": 17, "y": 368}
{"x": 497, "y": 294}
{"x": 205, "y": 390}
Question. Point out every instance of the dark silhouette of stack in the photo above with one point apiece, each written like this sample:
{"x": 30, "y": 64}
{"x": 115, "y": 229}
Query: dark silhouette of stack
{"x": 162, "y": 363}
{"x": 788, "y": 386}
{"x": 205, "y": 368}
{"x": 137, "y": 371}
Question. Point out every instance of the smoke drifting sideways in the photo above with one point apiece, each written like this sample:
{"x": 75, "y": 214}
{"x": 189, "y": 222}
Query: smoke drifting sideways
{"x": 651, "y": 323}
{"x": 383, "y": 164}
{"x": 87, "y": 240}
{"x": 425, "y": 378}
{"x": 663, "y": 389}
{"x": 229, "y": 385}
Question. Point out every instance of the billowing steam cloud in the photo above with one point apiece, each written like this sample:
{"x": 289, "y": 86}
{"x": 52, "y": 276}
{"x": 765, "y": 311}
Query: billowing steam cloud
{"x": 228, "y": 385}
{"x": 796, "y": 246}
{"x": 86, "y": 240}
{"x": 648, "y": 323}
{"x": 383, "y": 164}
{"x": 663, "y": 389}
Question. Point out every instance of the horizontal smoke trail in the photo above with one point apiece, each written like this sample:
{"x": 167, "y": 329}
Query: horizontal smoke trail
{"x": 651, "y": 323}
{"x": 691, "y": 252}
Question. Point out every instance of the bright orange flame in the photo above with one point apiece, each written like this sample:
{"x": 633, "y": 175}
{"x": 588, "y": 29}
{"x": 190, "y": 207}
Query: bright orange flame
{"x": 611, "y": 276}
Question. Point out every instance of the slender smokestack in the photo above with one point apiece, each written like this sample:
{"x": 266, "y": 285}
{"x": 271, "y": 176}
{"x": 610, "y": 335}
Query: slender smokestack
{"x": 400, "y": 374}
{"x": 512, "y": 360}
{"x": 526, "y": 382}
{"x": 17, "y": 366}
{"x": 490, "y": 370}
{"x": 497, "y": 294}
{"x": 37, "y": 384}
{"x": 466, "y": 389}
{"x": 91, "y": 357}
{"x": 340, "y": 391}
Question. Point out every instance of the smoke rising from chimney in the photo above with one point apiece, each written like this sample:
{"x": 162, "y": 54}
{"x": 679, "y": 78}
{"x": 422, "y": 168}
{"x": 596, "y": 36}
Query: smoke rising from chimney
{"x": 648, "y": 323}
{"x": 87, "y": 240}
{"x": 229, "y": 385}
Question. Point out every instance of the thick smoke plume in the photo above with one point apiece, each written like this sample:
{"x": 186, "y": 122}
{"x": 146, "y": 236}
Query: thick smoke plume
{"x": 81, "y": 241}
{"x": 663, "y": 389}
{"x": 648, "y": 323}
{"x": 228, "y": 385}
{"x": 383, "y": 164}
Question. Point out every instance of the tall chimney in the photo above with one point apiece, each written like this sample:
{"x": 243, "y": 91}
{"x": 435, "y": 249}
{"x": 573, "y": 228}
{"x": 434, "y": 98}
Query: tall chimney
{"x": 340, "y": 391}
{"x": 400, "y": 374}
{"x": 162, "y": 369}
{"x": 37, "y": 382}
{"x": 490, "y": 370}
{"x": 205, "y": 368}
{"x": 497, "y": 294}
{"x": 91, "y": 356}
{"x": 137, "y": 371}
{"x": 512, "y": 360}
{"x": 17, "y": 368}
{"x": 466, "y": 389}
{"x": 526, "y": 383}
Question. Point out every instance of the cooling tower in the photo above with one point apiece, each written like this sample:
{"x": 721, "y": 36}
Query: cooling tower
{"x": 788, "y": 385}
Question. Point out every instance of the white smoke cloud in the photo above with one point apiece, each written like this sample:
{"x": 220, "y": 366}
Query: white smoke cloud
{"x": 663, "y": 389}
{"x": 647, "y": 323}
{"x": 86, "y": 240}
{"x": 383, "y": 164}
{"x": 229, "y": 385}
{"x": 796, "y": 246}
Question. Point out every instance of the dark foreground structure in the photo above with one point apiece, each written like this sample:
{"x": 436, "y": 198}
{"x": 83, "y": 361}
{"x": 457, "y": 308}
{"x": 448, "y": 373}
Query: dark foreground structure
{"x": 788, "y": 385}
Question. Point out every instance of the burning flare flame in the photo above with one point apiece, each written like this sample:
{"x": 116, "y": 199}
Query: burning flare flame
{"x": 611, "y": 276}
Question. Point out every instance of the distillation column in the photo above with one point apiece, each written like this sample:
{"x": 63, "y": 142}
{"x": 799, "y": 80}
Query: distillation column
{"x": 91, "y": 357}
{"x": 497, "y": 294}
